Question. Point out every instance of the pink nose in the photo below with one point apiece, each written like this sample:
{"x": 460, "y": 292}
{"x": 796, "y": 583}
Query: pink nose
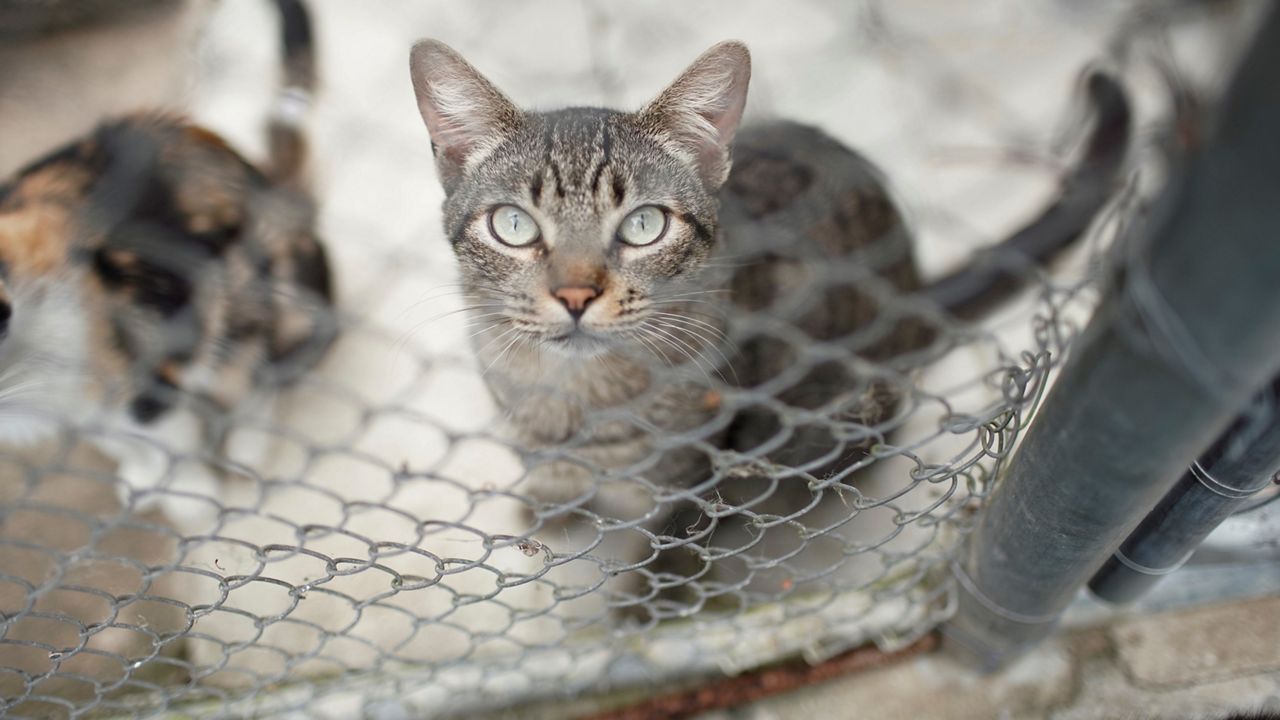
{"x": 576, "y": 298}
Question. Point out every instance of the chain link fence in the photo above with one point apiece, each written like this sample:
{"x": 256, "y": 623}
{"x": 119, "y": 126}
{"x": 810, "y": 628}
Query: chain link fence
{"x": 371, "y": 546}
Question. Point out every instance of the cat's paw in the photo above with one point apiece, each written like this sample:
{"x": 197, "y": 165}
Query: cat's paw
{"x": 193, "y": 506}
{"x": 139, "y": 470}
{"x": 187, "y": 495}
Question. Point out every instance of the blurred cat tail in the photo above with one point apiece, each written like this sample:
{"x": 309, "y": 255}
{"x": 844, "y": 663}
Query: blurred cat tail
{"x": 287, "y": 139}
{"x": 997, "y": 273}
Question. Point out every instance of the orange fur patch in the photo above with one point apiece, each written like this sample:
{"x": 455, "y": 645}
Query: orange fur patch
{"x": 64, "y": 182}
{"x": 35, "y": 240}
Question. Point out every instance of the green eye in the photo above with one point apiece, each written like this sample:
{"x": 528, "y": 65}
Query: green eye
{"x": 513, "y": 226}
{"x": 644, "y": 226}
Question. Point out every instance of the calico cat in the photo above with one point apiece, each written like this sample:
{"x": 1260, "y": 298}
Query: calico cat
{"x": 152, "y": 281}
{"x": 651, "y": 303}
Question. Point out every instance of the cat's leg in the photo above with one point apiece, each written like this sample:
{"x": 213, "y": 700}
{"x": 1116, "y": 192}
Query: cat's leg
{"x": 587, "y": 478}
{"x": 608, "y": 524}
{"x": 159, "y": 465}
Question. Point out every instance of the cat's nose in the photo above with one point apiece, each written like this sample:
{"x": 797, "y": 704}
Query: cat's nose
{"x": 576, "y": 298}
{"x": 6, "y": 312}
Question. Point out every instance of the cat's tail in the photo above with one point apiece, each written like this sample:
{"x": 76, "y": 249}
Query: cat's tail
{"x": 999, "y": 272}
{"x": 286, "y": 131}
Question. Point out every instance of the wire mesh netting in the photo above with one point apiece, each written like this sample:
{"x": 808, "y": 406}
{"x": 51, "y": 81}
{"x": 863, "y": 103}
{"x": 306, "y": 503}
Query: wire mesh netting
{"x": 373, "y": 540}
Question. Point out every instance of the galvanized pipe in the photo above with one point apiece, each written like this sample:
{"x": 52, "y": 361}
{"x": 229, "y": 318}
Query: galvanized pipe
{"x": 1243, "y": 461}
{"x": 1188, "y": 331}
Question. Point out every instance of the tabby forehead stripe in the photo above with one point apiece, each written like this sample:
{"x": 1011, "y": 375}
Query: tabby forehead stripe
{"x": 549, "y": 142}
{"x": 606, "y": 156}
{"x": 557, "y": 178}
{"x": 619, "y": 189}
{"x": 535, "y": 188}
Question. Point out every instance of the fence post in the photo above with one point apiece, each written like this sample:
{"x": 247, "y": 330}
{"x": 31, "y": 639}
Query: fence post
{"x": 1237, "y": 466}
{"x": 1188, "y": 331}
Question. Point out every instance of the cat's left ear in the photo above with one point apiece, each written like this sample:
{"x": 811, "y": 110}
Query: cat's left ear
{"x": 465, "y": 114}
{"x": 699, "y": 112}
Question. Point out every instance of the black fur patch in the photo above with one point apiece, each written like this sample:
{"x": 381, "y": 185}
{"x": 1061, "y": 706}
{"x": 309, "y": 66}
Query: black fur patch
{"x": 147, "y": 283}
{"x": 557, "y": 179}
{"x": 619, "y": 190}
{"x": 699, "y": 230}
{"x": 153, "y": 402}
{"x": 535, "y": 189}
{"x": 148, "y": 407}
{"x": 606, "y": 150}
{"x": 311, "y": 271}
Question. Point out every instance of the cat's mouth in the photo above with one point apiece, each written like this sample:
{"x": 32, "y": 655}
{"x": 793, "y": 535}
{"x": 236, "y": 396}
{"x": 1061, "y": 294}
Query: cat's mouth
{"x": 578, "y": 342}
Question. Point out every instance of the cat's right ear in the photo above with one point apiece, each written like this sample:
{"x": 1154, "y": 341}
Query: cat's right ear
{"x": 465, "y": 114}
{"x": 699, "y": 112}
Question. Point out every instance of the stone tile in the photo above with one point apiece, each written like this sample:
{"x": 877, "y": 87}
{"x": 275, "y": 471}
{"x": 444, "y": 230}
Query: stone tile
{"x": 1215, "y": 642}
{"x": 1106, "y": 692}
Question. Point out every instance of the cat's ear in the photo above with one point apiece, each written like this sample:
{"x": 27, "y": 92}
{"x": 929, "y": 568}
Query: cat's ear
{"x": 700, "y": 111}
{"x": 465, "y": 114}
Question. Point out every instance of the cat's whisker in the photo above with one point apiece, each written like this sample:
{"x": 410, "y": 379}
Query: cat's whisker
{"x": 713, "y": 341}
{"x": 14, "y": 391}
{"x": 501, "y": 354}
{"x": 477, "y": 318}
{"x": 716, "y": 332}
{"x": 687, "y": 314}
{"x": 696, "y": 321}
{"x": 50, "y": 360}
{"x": 489, "y": 326}
{"x": 465, "y": 308}
{"x": 405, "y": 337}
{"x": 494, "y": 340}
{"x": 460, "y": 290}
{"x": 9, "y": 372}
{"x": 718, "y": 306}
{"x": 647, "y": 345}
{"x": 695, "y": 293}
{"x": 725, "y": 265}
{"x": 700, "y": 355}
{"x": 671, "y": 341}
{"x": 610, "y": 367}
{"x": 33, "y": 388}
{"x": 707, "y": 342}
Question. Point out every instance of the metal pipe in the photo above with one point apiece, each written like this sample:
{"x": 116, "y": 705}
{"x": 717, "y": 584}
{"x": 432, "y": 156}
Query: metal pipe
{"x": 1187, "y": 332}
{"x": 1243, "y": 461}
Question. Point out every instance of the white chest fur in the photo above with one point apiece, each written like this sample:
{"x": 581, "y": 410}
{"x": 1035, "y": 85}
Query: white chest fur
{"x": 45, "y": 360}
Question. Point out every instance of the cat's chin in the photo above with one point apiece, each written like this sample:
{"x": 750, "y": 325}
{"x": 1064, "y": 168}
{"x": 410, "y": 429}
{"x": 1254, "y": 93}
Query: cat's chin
{"x": 578, "y": 344}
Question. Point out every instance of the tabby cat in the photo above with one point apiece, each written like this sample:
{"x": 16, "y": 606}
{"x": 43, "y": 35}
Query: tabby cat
{"x": 152, "y": 281}
{"x": 648, "y": 309}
